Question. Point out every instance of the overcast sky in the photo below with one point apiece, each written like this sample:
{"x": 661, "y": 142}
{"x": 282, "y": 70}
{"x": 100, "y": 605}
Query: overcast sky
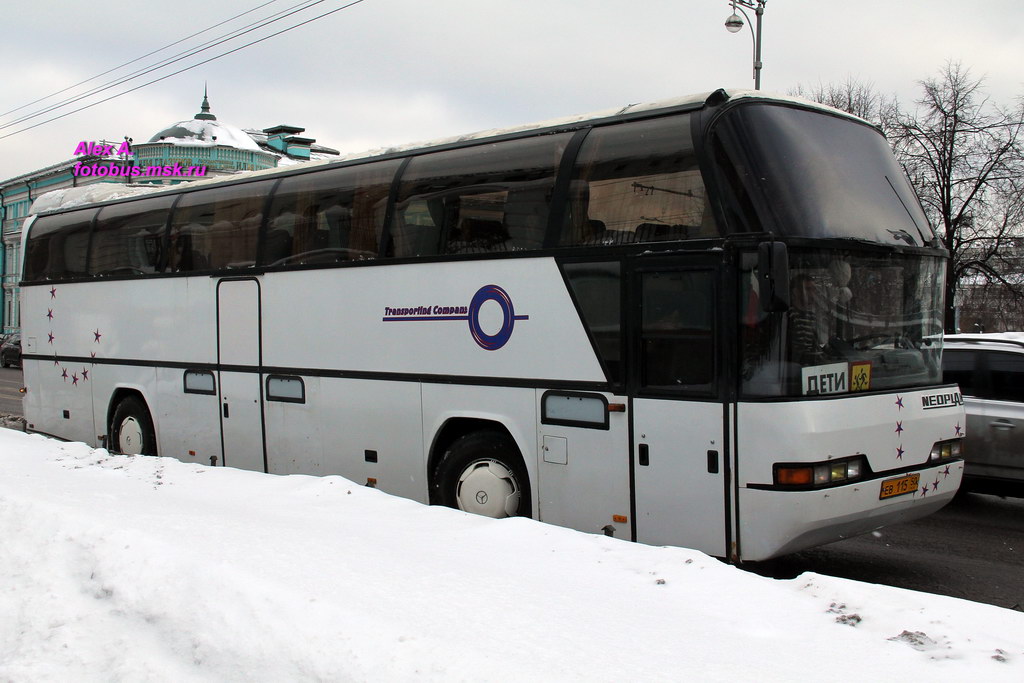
{"x": 392, "y": 71}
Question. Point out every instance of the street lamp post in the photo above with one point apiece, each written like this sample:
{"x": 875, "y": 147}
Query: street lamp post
{"x": 734, "y": 23}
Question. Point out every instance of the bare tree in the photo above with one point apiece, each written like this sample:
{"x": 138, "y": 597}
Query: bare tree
{"x": 855, "y": 97}
{"x": 965, "y": 156}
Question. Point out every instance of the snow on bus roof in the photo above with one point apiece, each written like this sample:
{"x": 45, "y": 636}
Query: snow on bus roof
{"x": 79, "y": 196}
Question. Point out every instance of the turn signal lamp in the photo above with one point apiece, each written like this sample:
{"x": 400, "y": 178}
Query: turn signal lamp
{"x": 794, "y": 476}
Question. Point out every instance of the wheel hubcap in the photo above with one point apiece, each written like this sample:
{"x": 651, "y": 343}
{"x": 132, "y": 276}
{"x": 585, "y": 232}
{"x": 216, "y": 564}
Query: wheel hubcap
{"x": 129, "y": 437}
{"x": 488, "y": 488}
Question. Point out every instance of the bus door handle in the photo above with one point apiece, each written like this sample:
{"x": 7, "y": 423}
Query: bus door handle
{"x": 226, "y": 414}
{"x": 712, "y": 462}
{"x": 644, "y": 456}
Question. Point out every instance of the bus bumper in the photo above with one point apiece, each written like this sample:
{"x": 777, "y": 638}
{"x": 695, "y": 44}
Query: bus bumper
{"x": 790, "y": 521}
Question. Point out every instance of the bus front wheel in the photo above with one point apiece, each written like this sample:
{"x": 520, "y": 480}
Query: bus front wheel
{"x": 483, "y": 473}
{"x": 131, "y": 429}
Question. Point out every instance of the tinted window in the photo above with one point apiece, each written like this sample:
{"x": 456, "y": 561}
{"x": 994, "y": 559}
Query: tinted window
{"x": 637, "y": 182}
{"x": 129, "y": 238}
{"x": 217, "y": 227}
{"x": 328, "y": 216}
{"x": 958, "y": 366}
{"x": 490, "y": 198}
{"x": 677, "y": 331}
{"x": 57, "y": 245}
{"x": 813, "y": 174}
{"x": 597, "y": 290}
{"x": 1006, "y": 371}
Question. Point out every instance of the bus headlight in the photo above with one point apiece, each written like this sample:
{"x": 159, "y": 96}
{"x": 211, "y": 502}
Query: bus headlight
{"x": 946, "y": 450}
{"x": 821, "y": 474}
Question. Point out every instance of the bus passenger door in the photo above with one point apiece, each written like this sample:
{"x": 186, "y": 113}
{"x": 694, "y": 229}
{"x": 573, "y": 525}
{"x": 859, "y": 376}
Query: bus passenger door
{"x": 239, "y": 356}
{"x": 680, "y": 463}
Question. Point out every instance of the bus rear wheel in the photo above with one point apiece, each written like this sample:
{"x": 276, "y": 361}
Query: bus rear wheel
{"x": 131, "y": 429}
{"x": 483, "y": 473}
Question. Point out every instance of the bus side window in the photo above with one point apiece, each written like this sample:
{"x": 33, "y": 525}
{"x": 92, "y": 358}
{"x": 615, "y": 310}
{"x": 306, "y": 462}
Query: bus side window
{"x": 217, "y": 227}
{"x": 57, "y": 246}
{"x": 490, "y": 198}
{"x": 328, "y": 217}
{"x": 597, "y": 291}
{"x": 129, "y": 238}
{"x": 677, "y": 330}
{"x": 637, "y": 182}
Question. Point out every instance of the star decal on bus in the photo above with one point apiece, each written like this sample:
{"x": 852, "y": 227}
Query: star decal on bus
{"x": 50, "y": 337}
{"x": 53, "y": 292}
{"x": 900, "y": 452}
{"x": 97, "y": 335}
{"x": 959, "y": 432}
{"x": 899, "y": 402}
{"x": 64, "y": 374}
{"x": 945, "y": 472}
{"x": 49, "y": 313}
{"x": 74, "y": 379}
{"x": 899, "y": 427}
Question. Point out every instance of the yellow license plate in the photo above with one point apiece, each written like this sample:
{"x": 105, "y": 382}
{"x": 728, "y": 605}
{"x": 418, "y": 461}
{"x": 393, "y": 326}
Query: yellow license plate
{"x": 900, "y": 486}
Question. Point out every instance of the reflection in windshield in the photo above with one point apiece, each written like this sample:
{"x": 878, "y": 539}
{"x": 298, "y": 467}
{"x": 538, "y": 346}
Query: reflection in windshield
{"x": 803, "y": 173}
{"x": 856, "y": 322}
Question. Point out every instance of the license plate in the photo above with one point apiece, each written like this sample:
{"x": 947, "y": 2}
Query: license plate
{"x": 900, "y": 486}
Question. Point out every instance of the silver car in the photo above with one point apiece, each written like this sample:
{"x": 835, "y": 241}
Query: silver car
{"x": 990, "y": 371}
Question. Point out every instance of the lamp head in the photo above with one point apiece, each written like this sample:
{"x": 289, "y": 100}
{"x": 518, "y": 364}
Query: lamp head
{"x": 734, "y": 23}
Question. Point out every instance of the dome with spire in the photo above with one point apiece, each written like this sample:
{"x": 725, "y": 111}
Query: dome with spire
{"x": 201, "y": 141}
{"x": 204, "y": 129}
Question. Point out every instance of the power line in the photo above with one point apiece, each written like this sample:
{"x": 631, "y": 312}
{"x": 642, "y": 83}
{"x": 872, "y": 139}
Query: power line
{"x": 132, "y": 61}
{"x": 259, "y": 40}
{"x": 231, "y": 35}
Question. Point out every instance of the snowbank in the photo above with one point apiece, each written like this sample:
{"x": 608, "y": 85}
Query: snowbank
{"x": 120, "y": 568}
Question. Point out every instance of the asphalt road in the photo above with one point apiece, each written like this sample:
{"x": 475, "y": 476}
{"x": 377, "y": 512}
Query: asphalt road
{"x": 10, "y": 398}
{"x": 973, "y": 548}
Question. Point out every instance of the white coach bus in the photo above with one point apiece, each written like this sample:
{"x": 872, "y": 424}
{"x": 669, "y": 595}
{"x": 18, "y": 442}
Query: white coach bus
{"x": 713, "y": 322}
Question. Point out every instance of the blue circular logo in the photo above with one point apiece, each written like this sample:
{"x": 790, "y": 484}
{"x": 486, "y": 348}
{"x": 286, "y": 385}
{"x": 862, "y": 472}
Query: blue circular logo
{"x": 492, "y": 342}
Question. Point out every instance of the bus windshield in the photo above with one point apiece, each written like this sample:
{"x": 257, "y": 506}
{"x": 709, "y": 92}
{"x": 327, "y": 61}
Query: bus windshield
{"x": 803, "y": 173}
{"x": 856, "y": 322}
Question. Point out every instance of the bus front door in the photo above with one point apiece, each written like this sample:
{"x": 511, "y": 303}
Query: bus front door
{"x": 239, "y": 356}
{"x": 680, "y": 462}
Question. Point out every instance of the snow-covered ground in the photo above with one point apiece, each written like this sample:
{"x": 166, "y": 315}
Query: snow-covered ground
{"x": 116, "y": 568}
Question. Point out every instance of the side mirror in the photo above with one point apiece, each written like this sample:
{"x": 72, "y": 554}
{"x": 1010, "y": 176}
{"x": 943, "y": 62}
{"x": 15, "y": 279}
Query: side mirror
{"x": 773, "y": 276}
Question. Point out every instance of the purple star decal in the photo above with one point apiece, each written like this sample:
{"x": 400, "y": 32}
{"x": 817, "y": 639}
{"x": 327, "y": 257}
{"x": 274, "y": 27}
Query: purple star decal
{"x": 85, "y": 374}
{"x": 97, "y": 335}
{"x": 899, "y": 427}
{"x": 945, "y": 472}
{"x": 899, "y": 452}
{"x": 53, "y": 292}
{"x": 92, "y": 354}
{"x": 49, "y": 313}
{"x": 924, "y": 490}
{"x": 935, "y": 486}
{"x": 958, "y": 430}
{"x": 51, "y": 337}
{"x": 56, "y": 363}
{"x": 64, "y": 374}
{"x": 74, "y": 379}
{"x": 899, "y": 402}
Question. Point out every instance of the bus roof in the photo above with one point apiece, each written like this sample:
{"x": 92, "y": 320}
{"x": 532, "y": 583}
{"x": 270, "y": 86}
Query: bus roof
{"x": 73, "y": 197}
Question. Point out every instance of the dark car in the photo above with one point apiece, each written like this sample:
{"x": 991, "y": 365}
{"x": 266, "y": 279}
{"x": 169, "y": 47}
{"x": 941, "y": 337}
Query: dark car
{"x": 990, "y": 371}
{"x": 10, "y": 351}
